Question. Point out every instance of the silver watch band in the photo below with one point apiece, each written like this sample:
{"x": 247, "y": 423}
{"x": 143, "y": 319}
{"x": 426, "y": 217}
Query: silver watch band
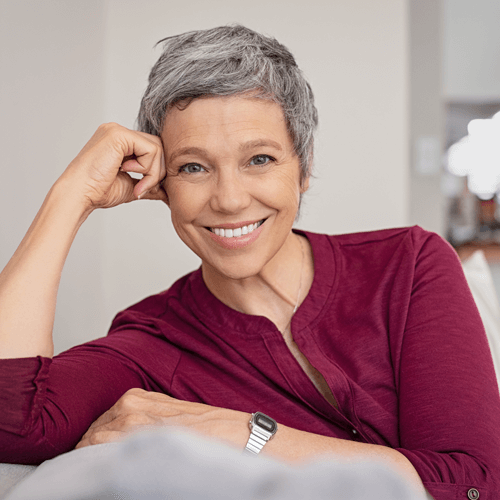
{"x": 259, "y": 435}
{"x": 258, "y": 438}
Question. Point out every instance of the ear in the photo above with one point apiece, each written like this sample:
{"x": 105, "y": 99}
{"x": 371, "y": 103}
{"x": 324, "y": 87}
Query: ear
{"x": 158, "y": 193}
{"x": 163, "y": 191}
{"x": 304, "y": 184}
{"x": 166, "y": 199}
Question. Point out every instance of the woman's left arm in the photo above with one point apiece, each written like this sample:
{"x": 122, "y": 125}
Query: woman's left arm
{"x": 138, "y": 409}
{"x": 448, "y": 399}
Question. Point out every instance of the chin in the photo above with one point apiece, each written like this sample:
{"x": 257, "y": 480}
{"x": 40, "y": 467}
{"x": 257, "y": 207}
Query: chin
{"x": 232, "y": 271}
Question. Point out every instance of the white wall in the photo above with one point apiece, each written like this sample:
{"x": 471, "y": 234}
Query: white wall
{"x": 471, "y": 60}
{"x": 51, "y": 100}
{"x": 427, "y": 203}
{"x": 82, "y": 62}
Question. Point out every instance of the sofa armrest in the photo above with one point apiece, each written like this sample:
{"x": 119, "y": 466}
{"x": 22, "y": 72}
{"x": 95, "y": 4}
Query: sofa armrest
{"x": 12, "y": 474}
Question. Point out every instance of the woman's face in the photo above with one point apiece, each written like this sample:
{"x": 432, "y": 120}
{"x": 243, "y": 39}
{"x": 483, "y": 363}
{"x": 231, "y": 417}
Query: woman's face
{"x": 233, "y": 181}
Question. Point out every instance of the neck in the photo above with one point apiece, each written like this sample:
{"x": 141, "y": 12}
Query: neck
{"x": 276, "y": 291}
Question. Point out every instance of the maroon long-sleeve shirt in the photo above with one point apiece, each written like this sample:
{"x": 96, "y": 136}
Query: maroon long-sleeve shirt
{"x": 389, "y": 322}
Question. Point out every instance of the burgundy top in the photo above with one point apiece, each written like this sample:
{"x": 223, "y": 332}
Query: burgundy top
{"x": 389, "y": 322}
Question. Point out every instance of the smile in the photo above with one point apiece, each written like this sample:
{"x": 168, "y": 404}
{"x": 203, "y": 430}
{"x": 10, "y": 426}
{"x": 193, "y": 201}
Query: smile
{"x": 236, "y": 232}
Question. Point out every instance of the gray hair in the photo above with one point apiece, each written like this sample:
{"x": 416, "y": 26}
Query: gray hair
{"x": 225, "y": 61}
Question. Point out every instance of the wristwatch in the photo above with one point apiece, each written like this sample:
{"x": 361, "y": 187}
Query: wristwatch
{"x": 262, "y": 429}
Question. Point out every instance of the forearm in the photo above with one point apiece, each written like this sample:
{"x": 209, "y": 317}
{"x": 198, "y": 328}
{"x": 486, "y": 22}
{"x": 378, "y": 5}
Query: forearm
{"x": 138, "y": 408}
{"x": 30, "y": 281}
{"x": 292, "y": 445}
{"x": 288, "y": 444}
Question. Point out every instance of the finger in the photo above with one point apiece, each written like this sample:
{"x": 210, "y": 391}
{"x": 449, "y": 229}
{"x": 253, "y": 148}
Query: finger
{"x": 130, "y": 164}
{"x": 147, "y": 158}
{"x": 153, "y": 170}
{"x": 140, "y": 153}
{"x": 85, "y": 441}
{"x": 149, "y": 137}
{"x": 101, "y": 437}
{"x": 104, "y": 419}
{"x": 160, "y": 396}
{"x": 82, "y": 444}
{"x": 124, "y": 185}
{"x": 156, "y": 193}
{"x": 148, "y": 183}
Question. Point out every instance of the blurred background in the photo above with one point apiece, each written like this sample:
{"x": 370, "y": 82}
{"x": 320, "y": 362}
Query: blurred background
{"x": 407, "y": 92}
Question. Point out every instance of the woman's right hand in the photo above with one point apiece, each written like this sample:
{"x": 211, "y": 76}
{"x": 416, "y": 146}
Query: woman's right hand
{"x": 96, "y": 178}
{"x": 99, "y": 172}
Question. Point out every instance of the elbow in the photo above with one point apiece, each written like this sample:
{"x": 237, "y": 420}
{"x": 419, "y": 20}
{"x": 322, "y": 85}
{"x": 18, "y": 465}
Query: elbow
{"x": 29, "y": 449}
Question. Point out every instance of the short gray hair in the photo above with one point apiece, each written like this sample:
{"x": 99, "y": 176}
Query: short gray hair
{"x": 225, "y": 61}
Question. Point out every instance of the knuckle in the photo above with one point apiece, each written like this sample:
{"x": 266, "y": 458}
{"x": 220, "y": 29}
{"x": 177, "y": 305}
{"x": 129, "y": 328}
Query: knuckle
{"x": 111, "y": 125}
{"x": 111, "y": 129}
{"x": 108, "y": 126}
{"x": 135, "y": 391}
{"x": 134, "y": 419}
{"x": 130, "y": 398}
{"x": 155, "y": 139}
{"x": 97, "y": 437}
{"x": 125, "y": 403}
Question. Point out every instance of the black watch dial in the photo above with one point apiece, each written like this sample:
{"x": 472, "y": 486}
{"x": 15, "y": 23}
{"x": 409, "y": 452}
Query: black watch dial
{"x": 265, "y": 422}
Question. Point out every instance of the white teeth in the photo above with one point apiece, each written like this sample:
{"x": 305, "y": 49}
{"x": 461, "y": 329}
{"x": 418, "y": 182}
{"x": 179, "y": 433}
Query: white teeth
{"x": 235, "y": 233}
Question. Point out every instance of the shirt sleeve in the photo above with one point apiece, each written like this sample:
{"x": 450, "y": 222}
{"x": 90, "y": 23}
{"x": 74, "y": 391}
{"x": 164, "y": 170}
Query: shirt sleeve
{"x": 46, "y": 405}
{"x": 449, "y": 403}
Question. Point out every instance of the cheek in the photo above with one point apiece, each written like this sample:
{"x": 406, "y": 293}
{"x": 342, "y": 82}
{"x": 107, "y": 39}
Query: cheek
{"x": 185, "y": 200}
{"x": 282, "y": 193}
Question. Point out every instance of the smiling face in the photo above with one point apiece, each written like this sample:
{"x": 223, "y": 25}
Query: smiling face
{"x": 233, "y": 182}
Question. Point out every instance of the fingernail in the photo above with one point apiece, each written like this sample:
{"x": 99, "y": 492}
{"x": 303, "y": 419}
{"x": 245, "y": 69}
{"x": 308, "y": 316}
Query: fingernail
{"x": 143, "y": 194}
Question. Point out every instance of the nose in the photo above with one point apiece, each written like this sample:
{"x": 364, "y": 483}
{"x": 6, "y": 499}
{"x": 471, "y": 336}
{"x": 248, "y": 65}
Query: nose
{"x": 230, "y": 193}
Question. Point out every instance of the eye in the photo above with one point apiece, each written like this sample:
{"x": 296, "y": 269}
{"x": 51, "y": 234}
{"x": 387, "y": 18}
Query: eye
{"x": 260, "y": 160}
{"x": 191, "y": 168}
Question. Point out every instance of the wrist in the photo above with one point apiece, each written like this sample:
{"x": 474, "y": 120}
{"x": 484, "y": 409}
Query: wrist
{"x": 262, "y": 429}
{"x": 65, "y": 192}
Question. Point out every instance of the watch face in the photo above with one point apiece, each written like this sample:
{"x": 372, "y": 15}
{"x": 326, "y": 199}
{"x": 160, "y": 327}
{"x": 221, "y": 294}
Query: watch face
{"x": 265, "y": 422}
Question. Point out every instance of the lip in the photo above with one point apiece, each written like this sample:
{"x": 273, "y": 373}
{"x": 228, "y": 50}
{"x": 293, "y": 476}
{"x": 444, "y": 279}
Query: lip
{"x": 235, "y": 225}
{"x": 239, "y": 241}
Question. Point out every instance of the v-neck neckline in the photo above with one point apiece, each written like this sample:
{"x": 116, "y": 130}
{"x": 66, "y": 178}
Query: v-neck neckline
{"x": 211, "y": 310}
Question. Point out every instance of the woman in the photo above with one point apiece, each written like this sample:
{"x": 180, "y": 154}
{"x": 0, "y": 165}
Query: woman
{"x": 364, "y": 346}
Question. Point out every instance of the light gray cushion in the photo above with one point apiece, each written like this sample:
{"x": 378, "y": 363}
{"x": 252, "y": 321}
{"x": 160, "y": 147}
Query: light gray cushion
{"x": 163, "y": 463}
{"x": 480, "y": 280}
{"x": 11, "y": 474}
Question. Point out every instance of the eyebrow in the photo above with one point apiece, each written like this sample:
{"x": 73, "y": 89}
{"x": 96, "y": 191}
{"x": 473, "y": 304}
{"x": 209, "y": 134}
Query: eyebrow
{"x": 258, "y": 143}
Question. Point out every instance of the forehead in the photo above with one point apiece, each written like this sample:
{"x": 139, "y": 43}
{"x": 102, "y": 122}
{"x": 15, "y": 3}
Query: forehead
{"x": 225, "y": 121}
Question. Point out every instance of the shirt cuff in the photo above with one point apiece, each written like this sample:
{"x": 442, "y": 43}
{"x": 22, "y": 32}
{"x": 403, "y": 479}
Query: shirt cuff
{"x": 22, "y": 388}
